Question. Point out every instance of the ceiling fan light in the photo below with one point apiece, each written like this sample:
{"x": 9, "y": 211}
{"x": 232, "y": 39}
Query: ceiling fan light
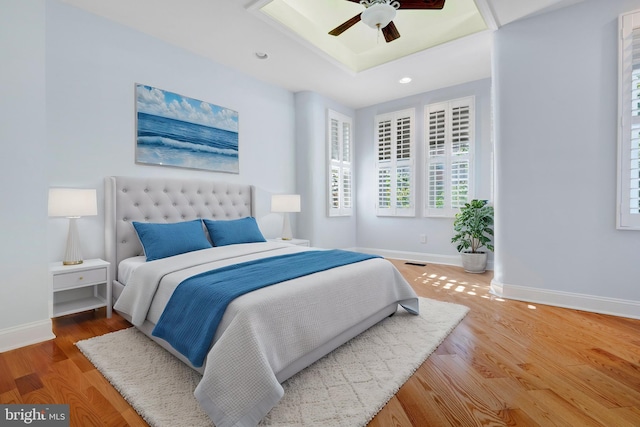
{"x": 378, "y": 15}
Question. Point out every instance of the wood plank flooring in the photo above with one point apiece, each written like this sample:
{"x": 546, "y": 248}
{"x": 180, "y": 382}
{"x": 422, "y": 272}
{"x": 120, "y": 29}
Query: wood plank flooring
{"x": 508, "y": 363}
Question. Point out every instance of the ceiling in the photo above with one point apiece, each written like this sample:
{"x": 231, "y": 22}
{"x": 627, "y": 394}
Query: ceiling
{"x": 436, "y": 48}
{"x": 361, "y": 47}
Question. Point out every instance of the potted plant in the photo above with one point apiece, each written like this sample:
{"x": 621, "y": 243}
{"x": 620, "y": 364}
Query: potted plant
{"x": 474, "y": 230}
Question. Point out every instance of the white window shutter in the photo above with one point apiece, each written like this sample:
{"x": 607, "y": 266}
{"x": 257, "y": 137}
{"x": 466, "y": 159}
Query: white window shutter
{"x": 395, "y": 167}
{"x": 449, "y": 144}
{"x": 340, "y": 147}
{"x": 628, "y": 203}
{"x": 384, "y": 188}
{"x": 346, "y": 190}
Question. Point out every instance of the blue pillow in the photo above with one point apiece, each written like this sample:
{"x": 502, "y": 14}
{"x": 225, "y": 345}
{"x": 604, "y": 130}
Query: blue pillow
{"x": 165, "y": 240}
{"x": 230, "y": 232}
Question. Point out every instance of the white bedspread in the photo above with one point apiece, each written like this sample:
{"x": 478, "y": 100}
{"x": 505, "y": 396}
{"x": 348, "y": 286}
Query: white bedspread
{"x": 265, "y": 331}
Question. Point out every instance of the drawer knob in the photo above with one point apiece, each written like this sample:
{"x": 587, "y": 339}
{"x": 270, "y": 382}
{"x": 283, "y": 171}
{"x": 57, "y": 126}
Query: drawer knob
{"x": 80, "y": 278}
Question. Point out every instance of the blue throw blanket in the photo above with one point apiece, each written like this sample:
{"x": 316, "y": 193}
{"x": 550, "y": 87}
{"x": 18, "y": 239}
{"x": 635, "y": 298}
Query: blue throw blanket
{"x": 191, "y": 317}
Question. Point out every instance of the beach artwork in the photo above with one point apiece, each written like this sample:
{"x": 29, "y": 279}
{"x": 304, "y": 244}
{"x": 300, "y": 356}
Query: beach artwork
{"x": 173, "y": 130}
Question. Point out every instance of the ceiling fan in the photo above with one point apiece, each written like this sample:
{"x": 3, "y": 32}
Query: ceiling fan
{"x": 380, "y": 13}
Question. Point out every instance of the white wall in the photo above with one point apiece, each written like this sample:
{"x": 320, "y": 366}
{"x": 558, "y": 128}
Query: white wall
{"x": 92, "y": 67}
{"x": 400, "y": 237}
{"x": 23, "y": 175}
{"x": 312, "y": 179}
{"x": 555, "y": 78}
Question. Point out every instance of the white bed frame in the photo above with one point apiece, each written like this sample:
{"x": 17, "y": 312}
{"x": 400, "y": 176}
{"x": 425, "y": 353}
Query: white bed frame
{"x": 130, "y": 199}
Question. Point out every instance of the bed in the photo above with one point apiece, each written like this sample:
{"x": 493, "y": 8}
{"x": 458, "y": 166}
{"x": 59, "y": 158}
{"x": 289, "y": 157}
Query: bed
{"x": 264, "y": 336}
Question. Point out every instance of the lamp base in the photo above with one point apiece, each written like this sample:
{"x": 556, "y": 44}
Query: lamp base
{"x": 72, "y": 254}
{"x": 286, "y": 228}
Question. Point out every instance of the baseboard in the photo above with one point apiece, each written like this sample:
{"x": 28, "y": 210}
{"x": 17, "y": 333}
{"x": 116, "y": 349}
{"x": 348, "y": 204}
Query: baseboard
{"x": 584, "y": 302}
{"x": 423, "y": 257}
{"x": 27, "y": 334}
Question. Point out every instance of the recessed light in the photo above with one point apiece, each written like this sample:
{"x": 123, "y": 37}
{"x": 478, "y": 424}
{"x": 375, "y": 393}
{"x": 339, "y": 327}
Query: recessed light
{"x": 262, "y": 55}
{"x": 405, "y": 80}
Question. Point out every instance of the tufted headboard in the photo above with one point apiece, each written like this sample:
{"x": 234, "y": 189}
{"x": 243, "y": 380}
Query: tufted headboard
{"x": 164, "y": 200}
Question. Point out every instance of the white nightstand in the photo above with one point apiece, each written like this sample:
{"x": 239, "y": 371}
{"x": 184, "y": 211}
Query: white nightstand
{"x": 299, "y": 242}
{"x": 81, "y": 287}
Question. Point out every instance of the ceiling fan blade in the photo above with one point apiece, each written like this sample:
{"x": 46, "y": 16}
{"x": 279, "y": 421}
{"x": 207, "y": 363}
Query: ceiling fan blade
{"x": 421, "y": 4}
{"x": 390, "y": 32}
{"x": 416, "y": 4}
{"x": 345, "y": 26}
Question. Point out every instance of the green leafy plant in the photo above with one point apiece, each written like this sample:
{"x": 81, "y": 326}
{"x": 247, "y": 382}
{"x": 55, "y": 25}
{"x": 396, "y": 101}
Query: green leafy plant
{"x": 474, "y": 227}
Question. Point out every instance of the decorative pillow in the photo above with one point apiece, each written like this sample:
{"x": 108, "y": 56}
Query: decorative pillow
{"x": 165, "y": 240}
{"x": 230, "y": 232}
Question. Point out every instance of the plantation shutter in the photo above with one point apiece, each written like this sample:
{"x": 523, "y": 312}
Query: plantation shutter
{"x": 395, "y": 163}
{"x": 628, "y": 203}
{"x": 460, "y": 149}
{"x": 449, "y": 140}
{"x": 436, "y": 164}
{"x": 340, "y": 164}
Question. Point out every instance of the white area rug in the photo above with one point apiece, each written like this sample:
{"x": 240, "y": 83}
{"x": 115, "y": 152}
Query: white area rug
{"x": 345, "y": 388}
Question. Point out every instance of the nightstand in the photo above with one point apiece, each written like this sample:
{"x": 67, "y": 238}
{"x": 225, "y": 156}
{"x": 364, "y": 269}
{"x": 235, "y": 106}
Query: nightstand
{"x": 298, "y": 242}
{"x": 81, "y": 287}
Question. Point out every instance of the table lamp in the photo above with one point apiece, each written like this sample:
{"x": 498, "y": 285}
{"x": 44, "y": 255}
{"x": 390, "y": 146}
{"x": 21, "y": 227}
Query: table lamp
{"x": 72, "y": 203}
{"x": 285, "y": 203}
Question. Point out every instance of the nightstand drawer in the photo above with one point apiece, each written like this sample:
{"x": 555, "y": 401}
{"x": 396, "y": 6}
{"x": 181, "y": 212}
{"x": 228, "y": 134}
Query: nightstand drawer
{"x": 79, "y": 278}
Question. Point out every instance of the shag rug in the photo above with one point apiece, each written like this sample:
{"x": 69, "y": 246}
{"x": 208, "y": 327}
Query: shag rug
{"x": 345, "y": 388}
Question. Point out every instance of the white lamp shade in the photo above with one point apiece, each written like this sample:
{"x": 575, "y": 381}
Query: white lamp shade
{"x": 378, "y": 15}
{"x": 285, "y": 203}
{"x": 72, "y": 202}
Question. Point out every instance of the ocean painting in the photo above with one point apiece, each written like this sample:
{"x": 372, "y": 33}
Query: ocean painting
{"x": 173, "y": 130}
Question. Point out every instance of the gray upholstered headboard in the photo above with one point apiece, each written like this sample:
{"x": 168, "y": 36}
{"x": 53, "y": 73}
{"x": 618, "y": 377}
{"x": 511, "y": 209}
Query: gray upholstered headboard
{"x": 165, "y": 200}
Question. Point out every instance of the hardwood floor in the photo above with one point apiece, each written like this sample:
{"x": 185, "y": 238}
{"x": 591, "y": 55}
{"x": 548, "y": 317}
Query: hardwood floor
{"x": 508, "y": 363}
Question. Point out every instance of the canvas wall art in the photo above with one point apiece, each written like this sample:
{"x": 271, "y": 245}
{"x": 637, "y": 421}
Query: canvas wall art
{"x": 174, "y": 130}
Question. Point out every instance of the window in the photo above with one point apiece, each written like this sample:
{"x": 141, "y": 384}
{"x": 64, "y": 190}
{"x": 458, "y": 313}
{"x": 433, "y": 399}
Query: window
{"x": 449, "y": 141}
{"x": 628, "y": 203}
{"x": 395, "y": 164}
{"x": 340, "y": 164}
